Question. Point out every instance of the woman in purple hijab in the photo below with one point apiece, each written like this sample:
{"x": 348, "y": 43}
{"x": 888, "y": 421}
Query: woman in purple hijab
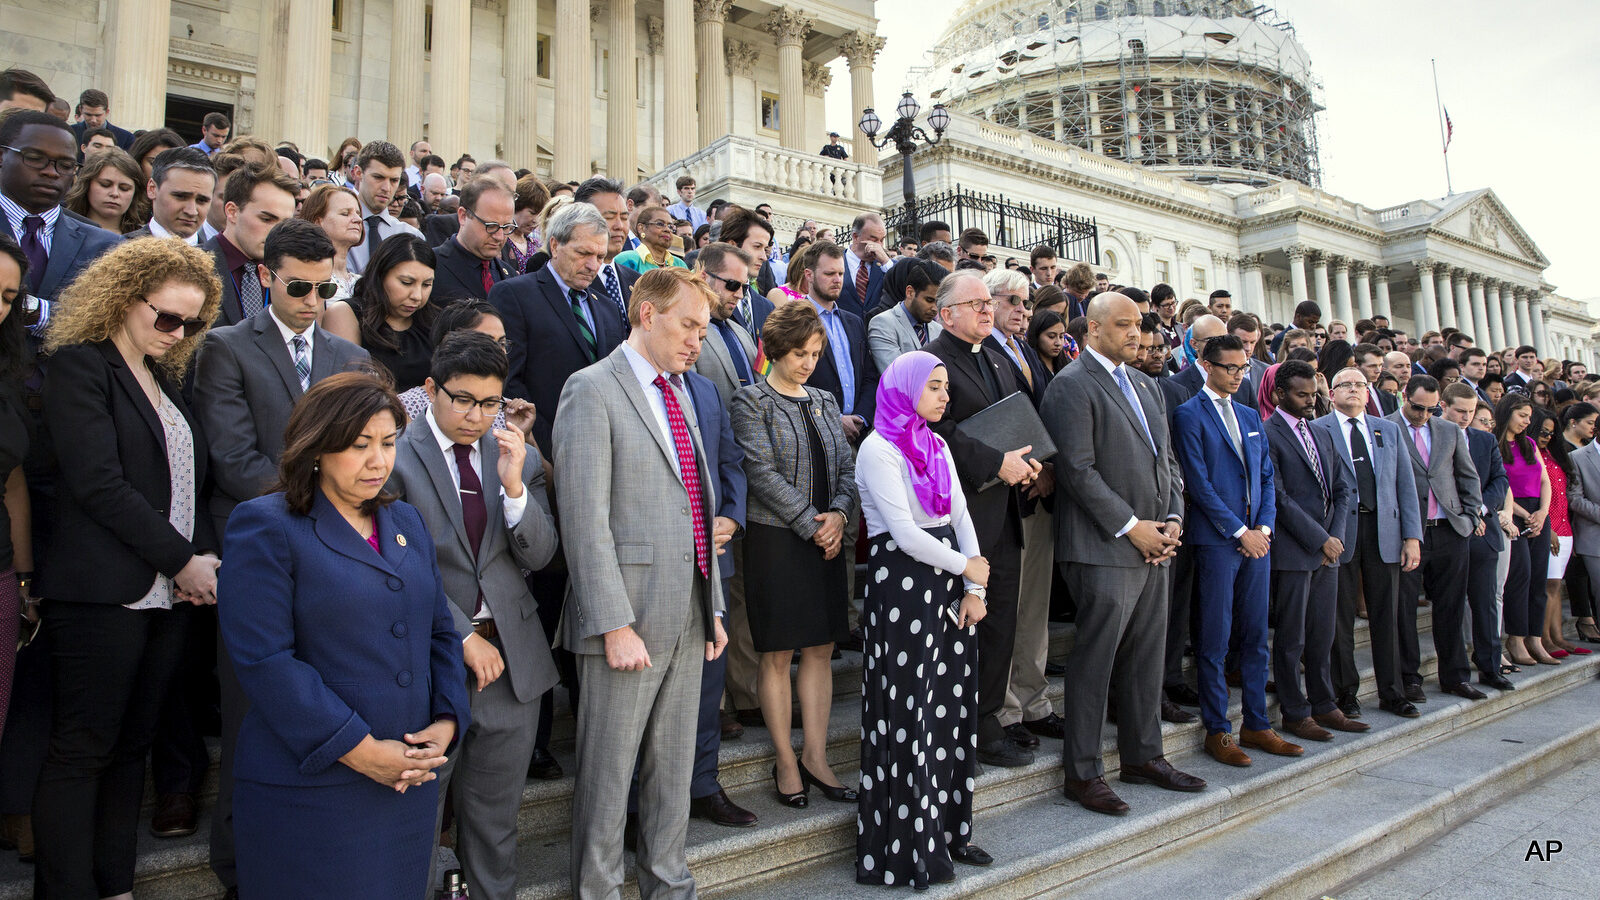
{"x": 925, "y": 591}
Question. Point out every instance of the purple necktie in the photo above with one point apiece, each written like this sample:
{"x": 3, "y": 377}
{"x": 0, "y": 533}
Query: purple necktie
{"x": 33, "y": 248}
{"x": 474, "y": 511}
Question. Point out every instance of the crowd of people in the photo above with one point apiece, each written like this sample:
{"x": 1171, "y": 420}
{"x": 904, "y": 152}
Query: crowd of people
{"x": 353, "y": 464}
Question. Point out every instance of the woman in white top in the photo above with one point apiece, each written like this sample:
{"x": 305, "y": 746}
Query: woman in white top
{"x": 919, "y": 737}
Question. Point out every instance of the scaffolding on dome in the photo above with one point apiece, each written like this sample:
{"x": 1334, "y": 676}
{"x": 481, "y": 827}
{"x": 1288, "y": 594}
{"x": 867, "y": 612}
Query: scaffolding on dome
{"x": 1222, "y": 88}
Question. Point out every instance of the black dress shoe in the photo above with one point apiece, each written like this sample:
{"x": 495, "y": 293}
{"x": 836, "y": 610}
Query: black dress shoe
{"x": 1094, "y": 795}
{"x": 1414, "y": 693}
{"x": 543, "y": 766}
{"x": 799, "y": 800}
{"x": 1402, "y": 708}
{"x": 1183, "y": 695}
{"x": 231, "y": 894}
{"x": 1160, "y": 773}
{"x": 719, "y": 810}
{"x": 1021, "y": 736}
{"x": 1498, "y": 682}
{"x": 731, "y": 729}
{"x": 1057, "y": 670}
{"x": 630, "y": 833}
{"x": 1348, "y": 705}
{"x": 836, "y": 794}
{"x": 1005, "y": 754}
{"x": 749, "y": 718}
{"x": 1051, "y": 726}
{"x": 852, "y": 642}
{"x": 1465, "y": 690}
{"x": 176, "y": 816}
{"x": 972, "y": 855}
{"x": 1172, "y": 712}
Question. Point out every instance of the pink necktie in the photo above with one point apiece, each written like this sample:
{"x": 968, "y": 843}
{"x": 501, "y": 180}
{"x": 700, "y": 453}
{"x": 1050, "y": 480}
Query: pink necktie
{"x": 1422, "y": 450}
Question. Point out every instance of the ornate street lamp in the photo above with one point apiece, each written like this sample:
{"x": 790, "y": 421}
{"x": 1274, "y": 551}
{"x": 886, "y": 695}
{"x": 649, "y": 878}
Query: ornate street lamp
{"x": 905, "y": 134}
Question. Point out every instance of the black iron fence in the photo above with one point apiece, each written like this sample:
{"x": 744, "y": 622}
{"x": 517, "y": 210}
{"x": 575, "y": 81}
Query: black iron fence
{"x": 1020, "y": 226}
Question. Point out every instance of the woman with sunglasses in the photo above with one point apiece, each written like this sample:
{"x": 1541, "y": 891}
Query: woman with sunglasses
{"x": 1523, "y": 598}
{"x": 337, "y": 211}
{"x": 1559, "y": 436}
{"x": 133, "y": 549}
{"x": 1541, "y": 395}
{"x": 109, "y": 192}
{"x": 16, "y": 546}
{"x": 389, "y": 313}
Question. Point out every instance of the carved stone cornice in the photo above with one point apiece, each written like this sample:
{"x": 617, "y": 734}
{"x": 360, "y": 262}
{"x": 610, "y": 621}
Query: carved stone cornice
{"x": 741, "y": 56}
{"x": 860, "y": 48}
{"x": 817, "y": 77}
{"x": 1339, "y": 264}
{"x": 1251, "y": 262}
{"x": 1426, "y": 265}
{"x": 1143, "y": 239}
{"x": 1296, "y": 252}
{"x": 789, "y": 26}
{"x": 655, "y": 35}
{"x": 1181, "y": 249}
{"x": 711, "y": 11}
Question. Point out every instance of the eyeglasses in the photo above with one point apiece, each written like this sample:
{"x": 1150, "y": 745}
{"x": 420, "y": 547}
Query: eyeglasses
{"x": 1015, "y": 299}
{"x": 1229, "y": 370}
{"x": 1419, "y": 409}
{"x": 492, "y": 227}
{"x": 659, "y": 223}
{"x": 299, "y": 287}
{"x": 461, "y": 404}
{"x": 38, "y": 162}
{"x": 734, "y": 285}
{"x": 981, "y": 306}
{"x": 1356, "y": 385}
{"x": 167, "y": 323}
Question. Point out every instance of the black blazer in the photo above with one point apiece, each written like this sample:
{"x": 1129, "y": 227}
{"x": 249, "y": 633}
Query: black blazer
{"x": 826, "y": 374}
{"x": 232, "y": 312}
{"x": 976, "y": 463}
{"x": 112, "y": 533}
{"x": 439, "y": 227}
{"x": 458, "y": 274}
{"x": 546, "y": 345}
{"x": 1304, "y": 522}
{"x": 859, "y": 305}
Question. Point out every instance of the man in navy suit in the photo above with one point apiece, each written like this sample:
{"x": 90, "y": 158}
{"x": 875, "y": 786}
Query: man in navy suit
{"x": 1483, "y": 548}
{"x": 36, "y": 169}
{"x": 469, "y": 264}
{"x": 1230, "y": 482}
{"x": 754, "y": 235}
{"x": 844, "y": 370}
{"x": 1314, "y": 497}
{"x": 93, "y": 106}
{"x": 556, "y": 324}
{"x": 865, "y": 263}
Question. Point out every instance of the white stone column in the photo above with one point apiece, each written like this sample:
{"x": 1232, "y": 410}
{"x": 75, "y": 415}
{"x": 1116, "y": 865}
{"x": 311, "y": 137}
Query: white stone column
{"x": 1256, "y": 288}
{"x": 1427, "y": 308}
{"x": 1536, "y": 313}
{"x": 1234, "y": 266}
{"x": 309, "y": 78}
{"x": 406, "y": 30}
{"x": 1341, "y": 293}
{"x": 1147, "y": 260}
{"x": 711, "y": 72}
{"x": 1447, "y": 293}
{"x": 449, "y": 109}
{"x": 573, "y": 74}
{"x": 622, "y": 102}
{"x": 1381, "y": 305}
{"x": 1297, "y": 273}
{"x": 271, "y": 69}
{"x": 655, "y": 101}
{"x": 1319, "y": 286}
{"x": 789, "y": 27}
{"x": 1181, "y": 280}
{"x": 1363, "y": 290}
{"x": 139, "y": 41}
{"x": 1524, "y": 324}
{"x": 1487, "y": 325}
{"x": 860, "y": 50}
{"x": 681, "y": 125}
{"x": 1463, "y": 303}
{"x": 1507, "y": 304}
{"x": 742, "y": 58}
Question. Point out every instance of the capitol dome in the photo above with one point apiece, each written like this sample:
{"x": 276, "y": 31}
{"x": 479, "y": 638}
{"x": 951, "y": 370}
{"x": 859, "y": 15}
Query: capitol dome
{"x": 1217, "y": 91}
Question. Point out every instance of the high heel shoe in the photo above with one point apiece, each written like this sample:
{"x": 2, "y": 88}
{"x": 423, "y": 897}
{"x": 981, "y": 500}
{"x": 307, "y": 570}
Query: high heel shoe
{"x": 798, "y": 801}
{"x": 1589, "y": 633}
{"x": 836, "y": 794}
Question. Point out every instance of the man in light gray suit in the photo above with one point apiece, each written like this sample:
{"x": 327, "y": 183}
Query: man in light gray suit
{"x": 1386, "y": 528}
{"x": 1583, "y": 502}
{"x": 1448, "y": 497}
{"x": 636, "y": 499}
{"x": 482, "y": 495}
{"x": 1118, "y": 524}
{"x": 912, "y": 322}
{"x": 247, "y": 380}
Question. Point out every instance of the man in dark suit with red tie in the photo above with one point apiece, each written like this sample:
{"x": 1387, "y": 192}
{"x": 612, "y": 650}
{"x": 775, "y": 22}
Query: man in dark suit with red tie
{"x": 469, "y": 264}
{"x": 866, "y": 262}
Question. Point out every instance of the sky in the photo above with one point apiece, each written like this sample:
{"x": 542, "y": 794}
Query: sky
{"x": 1518, "y": 80}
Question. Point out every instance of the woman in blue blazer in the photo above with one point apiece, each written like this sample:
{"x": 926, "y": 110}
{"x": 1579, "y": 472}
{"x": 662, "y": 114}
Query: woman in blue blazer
{"x": 339, "y": 629}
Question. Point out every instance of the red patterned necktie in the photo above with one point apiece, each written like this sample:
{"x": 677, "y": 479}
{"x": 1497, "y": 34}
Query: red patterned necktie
{"x": 863, "y": 277}
{"x": 488, "y": 278}
{"x": 689, "y": 469}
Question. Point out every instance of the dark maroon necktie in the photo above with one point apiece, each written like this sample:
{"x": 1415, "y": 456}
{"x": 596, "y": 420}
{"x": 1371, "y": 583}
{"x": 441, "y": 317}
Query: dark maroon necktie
{"x": 488, "y": 278}
{"x": 33, "y": 248}
{"x": 474, "y": 513}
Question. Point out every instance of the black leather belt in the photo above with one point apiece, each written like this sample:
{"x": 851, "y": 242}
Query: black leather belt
{"x": 1439, "y": 521}
{"x": 1366, "y": 512}
{"x": 485, "y": 629}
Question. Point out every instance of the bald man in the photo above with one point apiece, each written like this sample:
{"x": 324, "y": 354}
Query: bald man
{"x": 1398, "y": 364}
{"x": 1192, "y": 378}
{"x": 434, "y": 189}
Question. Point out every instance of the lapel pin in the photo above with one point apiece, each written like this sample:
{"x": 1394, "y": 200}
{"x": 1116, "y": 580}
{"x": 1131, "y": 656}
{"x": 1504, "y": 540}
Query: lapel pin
{"x": 400, "y": 539}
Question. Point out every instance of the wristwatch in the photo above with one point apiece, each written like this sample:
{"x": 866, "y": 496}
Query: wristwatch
{"x": 982, "y": 593}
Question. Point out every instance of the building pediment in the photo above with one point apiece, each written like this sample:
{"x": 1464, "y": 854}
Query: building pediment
{"x": 1481, "y": 219}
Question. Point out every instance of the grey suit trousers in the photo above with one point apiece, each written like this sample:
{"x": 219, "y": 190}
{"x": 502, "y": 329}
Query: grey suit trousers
{"x": 1122, "y": 629}
{"x": 649, "y": 716}
{"x": 1025, "y": 695}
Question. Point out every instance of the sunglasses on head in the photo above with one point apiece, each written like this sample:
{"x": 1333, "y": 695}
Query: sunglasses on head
{"x": 167, "y": 323}
{"x": 299, "y": 287}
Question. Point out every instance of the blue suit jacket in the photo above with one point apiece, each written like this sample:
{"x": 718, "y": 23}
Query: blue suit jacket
{"x": 723, "y": 455}
{"x": 1398, "y": 516}
{"x": 331, "y": 640}
{"x": 1492, "y": 479}
{"x": 122, "y": 136}
{"x": 1305, "y": 522}
{"x": 859, "y": 305}
{"x": 1230, "y": 493}
{"x": 75, "y": 245}
{"x": 760, "y": 308}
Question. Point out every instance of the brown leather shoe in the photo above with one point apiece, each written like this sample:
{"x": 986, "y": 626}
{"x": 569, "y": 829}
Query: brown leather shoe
{"x": 720, "y": 810}
{"x": 731, "y": 729}
{"x": 1095, "y": 795}
{"x": 1338, "y": 721}
{"x": 1267, "y": 740}
{"x": 1223, "y": 749}
{"x": 1160, "y": 773}
{"x": 1307, "y": 729}
{"x": 175, "y": 816}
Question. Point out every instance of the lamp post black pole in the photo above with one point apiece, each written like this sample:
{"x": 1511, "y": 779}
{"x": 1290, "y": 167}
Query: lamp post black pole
{"x": 905, "y": 134}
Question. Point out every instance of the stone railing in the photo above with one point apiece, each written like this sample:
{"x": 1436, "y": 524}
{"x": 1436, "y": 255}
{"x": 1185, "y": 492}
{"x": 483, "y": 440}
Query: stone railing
{"x": 1286, "y": 194}
{"x": 747, "y": 172}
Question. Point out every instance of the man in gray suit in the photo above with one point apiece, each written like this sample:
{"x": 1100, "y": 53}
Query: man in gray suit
{"x": 644, "y": 602}
{"x": 912, "y": 322}
{"x": 1118, "y": 522}
{"x": 1448, "y": 497}
{"x": 482, "y": 495}
{"x": 247, "y": 380}
{"x": 1386, "y": 532}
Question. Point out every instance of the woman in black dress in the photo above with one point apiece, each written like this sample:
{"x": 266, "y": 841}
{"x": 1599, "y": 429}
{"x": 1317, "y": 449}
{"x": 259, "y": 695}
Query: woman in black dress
{"x": 925, "y": 591}
{"x": 389, "y": 313}
{"x": 802, "y": 492}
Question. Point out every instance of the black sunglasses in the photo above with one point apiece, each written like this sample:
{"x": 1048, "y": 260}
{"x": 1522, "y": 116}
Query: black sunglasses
{"x": 167, "y": 323}
{"x": 1419, "y": 408}
{"x": 732, "y": 284}
{"x": 299, "y": 287}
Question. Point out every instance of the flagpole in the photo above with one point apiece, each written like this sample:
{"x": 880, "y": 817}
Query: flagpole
{"x": 1444, "y": 141}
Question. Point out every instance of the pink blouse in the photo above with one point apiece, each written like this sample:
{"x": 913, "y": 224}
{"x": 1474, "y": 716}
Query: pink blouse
{"x": 1559, "y": 521}
{"x": 372, "y": 538}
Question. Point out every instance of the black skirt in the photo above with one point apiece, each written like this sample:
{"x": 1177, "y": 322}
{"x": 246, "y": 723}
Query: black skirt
{"x": 793, "y": 597}
{"x": 918, "y": 721}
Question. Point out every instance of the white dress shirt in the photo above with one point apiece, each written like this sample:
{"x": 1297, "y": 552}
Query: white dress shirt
{"x": 16, "y": 214}
{"x": 889, "y": 503}
{"x": 1111, "y": 369}
{"x": 646, "y": 372}
{"x": 157, "y": 230}
{"x": 289, "y": 336}
{"x": 1366, "y": 433}
{"x": 512, "y": 507}
{"x": 356, "y": 259}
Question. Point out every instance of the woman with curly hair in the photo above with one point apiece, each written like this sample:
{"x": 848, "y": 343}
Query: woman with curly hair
{"x": 109, "y": 192}
{"x": 133, "y": 549}
{"x": 389, "y": 313}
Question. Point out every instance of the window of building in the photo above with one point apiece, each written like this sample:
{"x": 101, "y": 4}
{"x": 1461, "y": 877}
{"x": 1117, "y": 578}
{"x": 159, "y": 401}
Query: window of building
{"x": 769, "y": 110}
{"x": 338, "y": 15}
{"x": 1159, "y": 9}
{"x": 1131, "y": 8}
{"x": 1111, "y": 260}
{"x": 1101, "y": 11}
{"x": 427, "y": 30}
{"x": 1044, "y": 22}
{"x": 602, "y": 78}
{"x": 542, "y": 66}
{"x": 1163, "y": 271}
{"x": 1199, "y": 279}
